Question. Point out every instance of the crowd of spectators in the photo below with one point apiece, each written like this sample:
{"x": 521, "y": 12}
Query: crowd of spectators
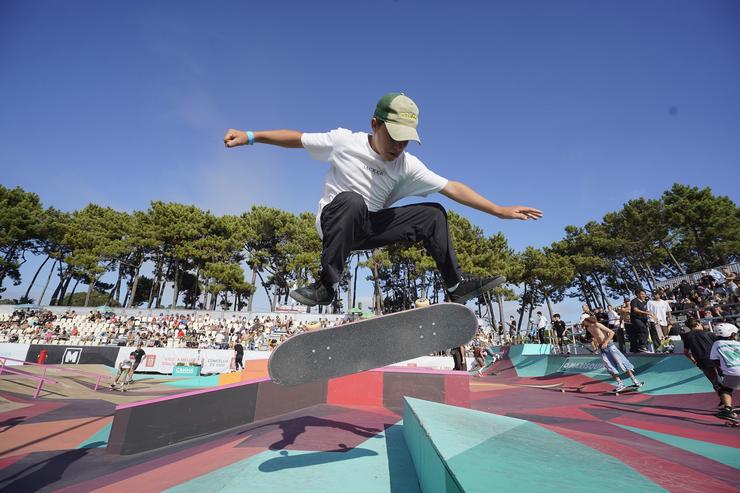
{"x": 714, "y": 298}
{"x": 189, "y": 330}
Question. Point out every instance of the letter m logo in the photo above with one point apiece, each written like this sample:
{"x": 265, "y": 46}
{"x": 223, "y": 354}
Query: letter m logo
{"x": 71, "y": 355}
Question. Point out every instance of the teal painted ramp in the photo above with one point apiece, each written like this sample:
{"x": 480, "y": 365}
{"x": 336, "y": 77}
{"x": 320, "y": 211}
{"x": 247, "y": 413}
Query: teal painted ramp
{"x": 663, "y": 374}
{"x": 462, "y": 450}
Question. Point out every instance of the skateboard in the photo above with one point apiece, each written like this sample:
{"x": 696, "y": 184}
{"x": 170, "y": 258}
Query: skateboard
{"x": 372, "y": 343}
{"x": 554, "y": 386}
{"x": 732, "y": 422}
{"x": 627, "y": 389}
{"x": 118, "y": 388}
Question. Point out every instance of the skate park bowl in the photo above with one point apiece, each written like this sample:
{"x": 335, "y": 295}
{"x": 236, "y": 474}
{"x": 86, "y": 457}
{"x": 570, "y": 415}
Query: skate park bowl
{"x": 391, "y": 429}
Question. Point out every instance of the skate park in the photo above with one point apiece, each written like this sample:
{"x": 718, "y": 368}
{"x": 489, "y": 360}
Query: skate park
{"x": 391, "y": 429}
{"x": 190, "y": 190}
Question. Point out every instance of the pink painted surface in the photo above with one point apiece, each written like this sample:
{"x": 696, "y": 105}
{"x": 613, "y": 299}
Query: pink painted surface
{"x": 189, "y": 393}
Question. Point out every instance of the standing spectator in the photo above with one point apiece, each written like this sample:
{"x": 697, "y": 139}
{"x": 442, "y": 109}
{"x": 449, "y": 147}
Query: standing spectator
{"x": 726, "y": 350}
{"x": 513, "y": 330}
{"x": 639, "y": 316}
{"x": 625, "y": 311}
{"x": 138, "y": 356}
{"x": 559, "y": 327}
{"x": 238, "y": 355}
{"x": 615, "y": 324}
{"x": 541, "y": 326}
{"x": 585, "y": 313}
{"x": 661, "y": 311}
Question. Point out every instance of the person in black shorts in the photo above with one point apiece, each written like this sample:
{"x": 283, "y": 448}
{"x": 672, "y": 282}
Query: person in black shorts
{"x": 559, "y": 327}
{"x": 697, "y": 344}
{"x": 138, "y": 356}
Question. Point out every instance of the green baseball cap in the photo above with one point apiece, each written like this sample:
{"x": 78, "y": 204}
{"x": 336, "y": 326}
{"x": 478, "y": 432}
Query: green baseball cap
{"x": 400, "y": 114}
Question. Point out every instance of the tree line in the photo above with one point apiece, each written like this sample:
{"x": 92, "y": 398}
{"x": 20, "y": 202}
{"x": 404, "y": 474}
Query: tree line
{"x": 202, "y": 255}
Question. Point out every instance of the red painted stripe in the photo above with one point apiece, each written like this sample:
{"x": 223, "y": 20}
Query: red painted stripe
{"x": 727, "y": 439}
{"x": 675, "y": 477}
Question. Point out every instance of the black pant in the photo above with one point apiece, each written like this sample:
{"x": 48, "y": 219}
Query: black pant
{"x": 238, "y": 361}
{"x": 631, "y": 336}
{"x": 641, "y": 334}
{"x": 619, "y": 337}
{"x": 347, "y": 225}
{"x": 459, "y": 361}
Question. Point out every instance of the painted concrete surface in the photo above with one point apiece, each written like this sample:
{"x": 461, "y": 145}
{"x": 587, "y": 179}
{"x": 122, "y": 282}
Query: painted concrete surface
{"x": 665, "y": 437}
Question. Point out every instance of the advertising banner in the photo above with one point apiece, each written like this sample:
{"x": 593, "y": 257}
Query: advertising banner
{"x": 73, "y": 355}
{"x": 163, "y": 360}
{"x": 15, "y": 351}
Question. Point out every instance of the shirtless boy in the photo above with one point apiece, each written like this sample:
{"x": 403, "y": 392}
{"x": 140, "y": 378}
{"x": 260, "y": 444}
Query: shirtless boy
{"x": 614, "y": 361}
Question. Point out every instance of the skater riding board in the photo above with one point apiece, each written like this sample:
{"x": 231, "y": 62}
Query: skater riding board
{"x": 629, "y": 388}
{"x": 372, "y": 343}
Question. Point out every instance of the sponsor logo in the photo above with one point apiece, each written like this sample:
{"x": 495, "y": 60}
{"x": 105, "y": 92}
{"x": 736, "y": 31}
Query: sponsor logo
{"x": 373, "y": 170}
{"x": 150, "y": 360}
{"x": 575, "y": 366}
{"x": 71, "y": 355}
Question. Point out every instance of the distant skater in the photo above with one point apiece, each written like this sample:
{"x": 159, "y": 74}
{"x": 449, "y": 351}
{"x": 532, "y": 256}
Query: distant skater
{"x": 615, "y": 362}
{"x": 124, "y": 370}
{"x": 138, "y": 356}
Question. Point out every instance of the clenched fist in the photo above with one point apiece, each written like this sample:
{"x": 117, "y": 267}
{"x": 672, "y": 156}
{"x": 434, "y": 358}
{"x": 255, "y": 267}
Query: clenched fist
{"x": 235, "y": 138}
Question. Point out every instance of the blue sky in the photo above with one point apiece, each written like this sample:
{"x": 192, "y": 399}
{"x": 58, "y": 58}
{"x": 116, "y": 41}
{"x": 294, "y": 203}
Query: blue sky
{"x": 573, "y": 107}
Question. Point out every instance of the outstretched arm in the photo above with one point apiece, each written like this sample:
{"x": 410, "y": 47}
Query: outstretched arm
{"x": 460, "y": 192}
{"x": 282, "y": 138}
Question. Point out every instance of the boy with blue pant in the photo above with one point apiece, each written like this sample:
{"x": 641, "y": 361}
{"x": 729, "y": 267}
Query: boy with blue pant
{"x": 615, "y": 362}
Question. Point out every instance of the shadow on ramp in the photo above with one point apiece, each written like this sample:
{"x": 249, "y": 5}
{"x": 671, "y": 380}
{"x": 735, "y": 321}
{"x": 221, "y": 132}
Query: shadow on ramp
{"x": 309, "y": 459}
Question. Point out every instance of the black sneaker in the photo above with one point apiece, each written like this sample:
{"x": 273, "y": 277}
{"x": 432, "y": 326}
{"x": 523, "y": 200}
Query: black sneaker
{"x": 474, "y": 287}
{"x": 727, "y": 413}
{"x": 315, "y": 294}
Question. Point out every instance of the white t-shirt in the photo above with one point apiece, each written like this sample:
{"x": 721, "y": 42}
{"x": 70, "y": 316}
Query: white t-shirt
{"x": 728, "y": 354}
{"x": 659, "y": 308}
{"x": 356, "y": 167}
{"x": 541, "y": 322}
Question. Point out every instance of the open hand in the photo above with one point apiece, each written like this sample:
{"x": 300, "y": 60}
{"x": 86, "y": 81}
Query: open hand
{"x": 520, "y": 212}
{"x": 235, "y": 138}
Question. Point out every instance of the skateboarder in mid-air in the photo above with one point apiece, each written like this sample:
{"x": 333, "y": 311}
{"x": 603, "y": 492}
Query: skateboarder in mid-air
{"x": 368, "y": 173}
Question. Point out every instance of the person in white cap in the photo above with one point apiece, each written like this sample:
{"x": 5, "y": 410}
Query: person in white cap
{"x": 726, "y": 350}
{"x": 368, "y": 173}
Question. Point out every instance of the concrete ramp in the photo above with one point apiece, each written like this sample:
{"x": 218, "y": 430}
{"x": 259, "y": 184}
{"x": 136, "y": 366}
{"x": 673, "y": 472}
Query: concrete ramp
{"x": 463, "y": 450}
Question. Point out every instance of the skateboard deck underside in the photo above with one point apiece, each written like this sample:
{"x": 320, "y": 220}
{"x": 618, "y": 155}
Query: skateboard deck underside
{"x": 373, "y": 343}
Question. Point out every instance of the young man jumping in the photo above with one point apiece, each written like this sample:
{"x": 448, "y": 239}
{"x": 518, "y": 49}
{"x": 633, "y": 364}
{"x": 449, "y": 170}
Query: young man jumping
{"x": 368, "y": 173}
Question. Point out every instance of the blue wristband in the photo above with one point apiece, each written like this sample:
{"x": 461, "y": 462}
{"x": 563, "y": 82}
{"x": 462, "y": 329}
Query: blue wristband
{"x": 250, "y": 138}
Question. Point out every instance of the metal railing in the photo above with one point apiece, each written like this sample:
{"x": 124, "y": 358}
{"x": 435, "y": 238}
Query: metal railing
{"x": 41, "y": 378}
{"x": 97, "y": 376}
{"x": 695, "y": 276}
